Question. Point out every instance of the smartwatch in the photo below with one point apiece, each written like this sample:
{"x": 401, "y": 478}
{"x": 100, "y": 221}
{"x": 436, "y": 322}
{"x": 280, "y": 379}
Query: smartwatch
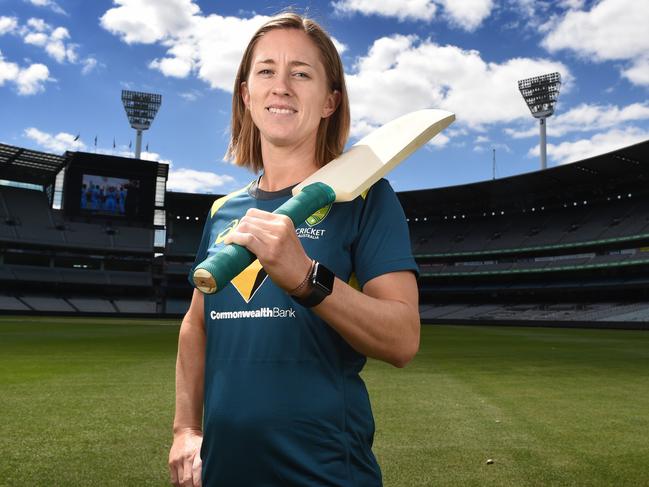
{"x": 321, "y": 285}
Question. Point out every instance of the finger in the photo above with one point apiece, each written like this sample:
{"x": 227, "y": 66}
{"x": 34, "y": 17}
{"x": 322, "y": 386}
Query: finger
{"x": 268, "y": 219}
{"x": 251, "y": 236}
{"x": 187, "y": 473}
{"x": 245, "y": 239}
{"x": 259, "y": 213}
{"x": 177, "y": 475}
{"x": 196, "y": 470}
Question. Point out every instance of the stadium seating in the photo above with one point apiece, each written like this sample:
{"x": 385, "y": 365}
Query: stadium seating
{"x": 135, "y": 306}
{"x": 28, "y": 219}
{"x": 521, "y": 312}
{"x": 564, "y": 226}
{"x": 92, "y": 305}
{"x": 46, "y": 303}
{"x": 184, "y": 238}
{"x": 11, "y": 303}
{"x": 176, "y": 306}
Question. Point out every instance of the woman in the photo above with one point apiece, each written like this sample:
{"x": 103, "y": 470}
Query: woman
{"x": 272, "y": 361}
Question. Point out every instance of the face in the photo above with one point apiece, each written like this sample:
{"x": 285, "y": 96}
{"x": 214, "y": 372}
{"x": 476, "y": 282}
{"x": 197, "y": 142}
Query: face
{"x": 287, "y": 91}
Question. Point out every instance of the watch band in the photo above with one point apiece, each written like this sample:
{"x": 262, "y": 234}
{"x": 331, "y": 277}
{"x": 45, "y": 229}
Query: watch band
{"x": 321, "y": 281}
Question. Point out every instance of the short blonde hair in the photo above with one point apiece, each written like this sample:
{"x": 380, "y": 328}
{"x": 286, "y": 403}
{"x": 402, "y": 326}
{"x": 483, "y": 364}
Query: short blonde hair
{"x": 245, "y": 142}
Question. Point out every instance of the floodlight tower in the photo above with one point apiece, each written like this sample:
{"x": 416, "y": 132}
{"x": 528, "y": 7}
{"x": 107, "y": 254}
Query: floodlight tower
{"x": 141, "y": 109}
{"x": 541, "y": 94}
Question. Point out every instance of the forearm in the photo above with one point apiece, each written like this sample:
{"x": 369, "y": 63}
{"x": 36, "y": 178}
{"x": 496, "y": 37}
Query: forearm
{"x": 385, "y": 329}
{"x": 190, "y": 365}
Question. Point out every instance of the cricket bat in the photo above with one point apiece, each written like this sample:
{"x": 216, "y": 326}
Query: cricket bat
{"x": 343, "y": 179}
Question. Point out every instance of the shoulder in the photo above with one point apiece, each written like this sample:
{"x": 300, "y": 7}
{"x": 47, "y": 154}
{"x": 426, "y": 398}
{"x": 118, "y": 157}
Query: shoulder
{"x": 379, "y": 193}
{"x": 219, "y": 202}
{"x": 381, "y": 188}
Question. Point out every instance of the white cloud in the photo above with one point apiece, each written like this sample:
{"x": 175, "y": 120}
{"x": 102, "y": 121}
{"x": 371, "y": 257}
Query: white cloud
{"x": 89, "y": 65}
{"x": 55, "y": 7}
{"x": 638, "y": 73}
{"x": 439, "y": 141}
{"x": 149, "y": 21}
{"x": 58, "y": 143}
{"x": 8, "y": 71}
{"x": 612, "y": 30}
{"x": 192, "y": 181}
{"x": 53, "y": 39}
{"x": 8, "y": 25}
{"x": 208, "y": 46}
{"x": 602, "y": 143}
{"x": 401, "y": 74}
{"x": 191, "y": 95}
{"x": 586, "y": 118}
{"x": 174, "y": 67}
{"x": 400, "y": 9}
{"x": 467, "y": 14}
{"x": 28, "y": 81}
{"x": 180, "y": 179}
{"x": 31, "y": 79}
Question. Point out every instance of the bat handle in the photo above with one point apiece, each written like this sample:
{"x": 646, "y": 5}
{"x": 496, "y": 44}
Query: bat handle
{"x": 215, "y": 272}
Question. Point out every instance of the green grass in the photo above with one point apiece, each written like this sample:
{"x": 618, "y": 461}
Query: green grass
{"x": 89, "y": 402}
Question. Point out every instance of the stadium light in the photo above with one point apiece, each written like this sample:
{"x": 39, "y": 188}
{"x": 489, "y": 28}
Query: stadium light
{"x": 141, "y": 109}
{"x": 541, "y": 94}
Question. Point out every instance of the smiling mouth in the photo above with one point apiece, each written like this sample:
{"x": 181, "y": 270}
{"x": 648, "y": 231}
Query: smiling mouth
{"x": 281, "y": 111}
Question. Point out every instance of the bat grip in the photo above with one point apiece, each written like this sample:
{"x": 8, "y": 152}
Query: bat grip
{"x": 215, "y": 272}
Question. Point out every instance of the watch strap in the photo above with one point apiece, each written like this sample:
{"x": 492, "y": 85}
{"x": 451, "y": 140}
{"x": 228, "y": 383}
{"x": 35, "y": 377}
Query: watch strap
{"x": 321, "y": 281}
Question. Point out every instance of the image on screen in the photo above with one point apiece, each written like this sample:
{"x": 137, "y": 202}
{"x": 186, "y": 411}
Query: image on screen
{"x": 106, "y": 195}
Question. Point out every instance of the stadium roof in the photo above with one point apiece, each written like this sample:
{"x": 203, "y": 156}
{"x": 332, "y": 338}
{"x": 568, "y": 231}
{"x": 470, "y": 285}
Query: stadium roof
{"x": 28, "y": 166}
{"x": 625, "y": 169}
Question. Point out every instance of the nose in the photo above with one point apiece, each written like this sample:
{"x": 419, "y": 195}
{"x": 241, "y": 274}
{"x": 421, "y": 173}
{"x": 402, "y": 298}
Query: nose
{"x": 281, "y": 87}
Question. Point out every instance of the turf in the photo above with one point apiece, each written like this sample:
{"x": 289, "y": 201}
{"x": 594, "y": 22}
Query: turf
{"x": 89, "y": 402}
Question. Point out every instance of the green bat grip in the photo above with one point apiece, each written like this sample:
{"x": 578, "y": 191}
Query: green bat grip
{"x": 215, "y": 272}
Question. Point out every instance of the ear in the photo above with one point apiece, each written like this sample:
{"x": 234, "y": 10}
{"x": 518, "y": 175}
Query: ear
{"x": 245, "y": 95}
{"x": 331, "y": 103}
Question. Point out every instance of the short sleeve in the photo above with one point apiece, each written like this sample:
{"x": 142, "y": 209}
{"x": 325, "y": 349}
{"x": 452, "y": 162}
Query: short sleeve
{"x": 383, "y": 241}
{"x": 201, "y": 253}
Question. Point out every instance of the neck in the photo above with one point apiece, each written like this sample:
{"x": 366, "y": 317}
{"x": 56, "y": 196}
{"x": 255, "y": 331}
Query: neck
{"x": 286, "y": 166}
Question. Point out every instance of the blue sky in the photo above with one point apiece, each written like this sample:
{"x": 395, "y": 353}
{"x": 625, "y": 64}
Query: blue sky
{"x": 63, "y": 64}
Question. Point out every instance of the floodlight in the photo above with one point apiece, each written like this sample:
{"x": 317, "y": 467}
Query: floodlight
{"x": 141, "y": 109}
{"x": 541, "y": 94}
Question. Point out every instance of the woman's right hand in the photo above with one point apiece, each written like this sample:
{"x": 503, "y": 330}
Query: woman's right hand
{"x": 185, "y": 458}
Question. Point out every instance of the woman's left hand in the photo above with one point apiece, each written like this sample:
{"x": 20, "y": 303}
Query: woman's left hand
{"x": 271, "y": 237}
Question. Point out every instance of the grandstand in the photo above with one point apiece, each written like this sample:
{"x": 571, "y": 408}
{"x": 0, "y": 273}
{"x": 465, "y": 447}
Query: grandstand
{"x": 564, "y": 246}
{"x": 76, "y": 260}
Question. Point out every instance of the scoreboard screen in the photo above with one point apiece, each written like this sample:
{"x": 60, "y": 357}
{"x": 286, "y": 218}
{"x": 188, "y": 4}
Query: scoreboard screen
{"x": 109, "y": 187}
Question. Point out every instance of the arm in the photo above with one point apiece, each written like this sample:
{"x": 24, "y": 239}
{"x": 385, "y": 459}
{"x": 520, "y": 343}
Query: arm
{"x": 184, "y": 457}
{"x": 381, "y": 322}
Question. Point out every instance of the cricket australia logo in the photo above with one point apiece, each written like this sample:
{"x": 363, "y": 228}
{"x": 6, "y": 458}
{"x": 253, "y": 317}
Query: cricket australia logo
{"x": 318, "y": 216}
{"x": 312, "y": 221}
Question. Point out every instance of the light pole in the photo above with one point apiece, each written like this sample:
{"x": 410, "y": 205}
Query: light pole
{"x": 141, "y": 109}
{"x": 541, "y": 94}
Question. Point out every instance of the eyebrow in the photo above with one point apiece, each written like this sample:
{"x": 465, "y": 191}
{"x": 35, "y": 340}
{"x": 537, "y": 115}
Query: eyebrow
{"x": 292, "y": 63}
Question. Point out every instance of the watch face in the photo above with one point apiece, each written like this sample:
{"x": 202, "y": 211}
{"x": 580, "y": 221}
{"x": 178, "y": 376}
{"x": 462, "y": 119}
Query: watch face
{"x": 323, "y": 278}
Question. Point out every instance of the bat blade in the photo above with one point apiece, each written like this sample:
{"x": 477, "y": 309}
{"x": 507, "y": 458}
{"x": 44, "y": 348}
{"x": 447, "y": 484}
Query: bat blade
{"x": 378, "y": 153}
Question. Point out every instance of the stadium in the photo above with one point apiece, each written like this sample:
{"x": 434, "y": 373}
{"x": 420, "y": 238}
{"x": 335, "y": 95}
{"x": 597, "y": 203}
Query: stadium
{"x": 92, "y": 286}
{"x": 562, "y": 246}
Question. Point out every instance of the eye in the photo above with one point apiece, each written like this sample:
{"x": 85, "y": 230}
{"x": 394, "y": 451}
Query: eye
{"x": 301, "y": 74}
{"x": 265, "y": 72}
